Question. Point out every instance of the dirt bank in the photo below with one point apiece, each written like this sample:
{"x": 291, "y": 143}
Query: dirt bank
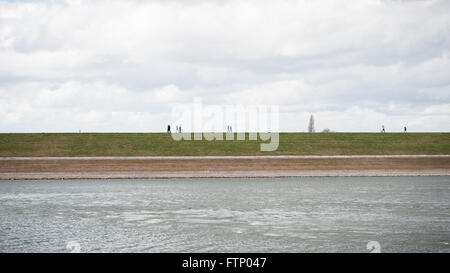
{"x": 253, "y": 166}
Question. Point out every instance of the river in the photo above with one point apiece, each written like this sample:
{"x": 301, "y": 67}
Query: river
{"x": 323, "y": 214}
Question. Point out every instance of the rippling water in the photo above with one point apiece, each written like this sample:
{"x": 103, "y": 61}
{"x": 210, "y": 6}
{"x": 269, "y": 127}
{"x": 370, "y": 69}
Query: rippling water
{"x": 337, "y": 214}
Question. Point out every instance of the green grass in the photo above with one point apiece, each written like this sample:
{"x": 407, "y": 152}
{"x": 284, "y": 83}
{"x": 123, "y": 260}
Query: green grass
{"x": 160, "y": 144}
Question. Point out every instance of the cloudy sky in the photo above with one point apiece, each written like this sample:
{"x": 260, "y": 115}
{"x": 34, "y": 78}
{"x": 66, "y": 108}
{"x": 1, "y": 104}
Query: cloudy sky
{"x": 121, "y": 65}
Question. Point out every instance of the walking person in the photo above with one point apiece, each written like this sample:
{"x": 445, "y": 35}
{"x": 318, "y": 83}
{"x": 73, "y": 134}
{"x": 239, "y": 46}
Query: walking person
{"x": 382, "y": 129}
{"x": 168, "y": 128}
{"x": 404, "y": 129}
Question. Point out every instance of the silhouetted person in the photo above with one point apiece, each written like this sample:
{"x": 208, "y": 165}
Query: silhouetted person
{"x": 404, "y": 129}
{"x": 382, "y": 129}
{"x": 168, "y": 128}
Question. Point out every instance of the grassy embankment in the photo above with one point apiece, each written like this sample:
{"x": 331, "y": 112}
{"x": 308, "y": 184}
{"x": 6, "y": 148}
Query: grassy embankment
{"x": 160, "y": 144}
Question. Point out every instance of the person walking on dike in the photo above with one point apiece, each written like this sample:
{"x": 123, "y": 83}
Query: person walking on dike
{"x": 404, "y": 129}
{"x": 168, "y": 128}
{"x": 382, "y": 129}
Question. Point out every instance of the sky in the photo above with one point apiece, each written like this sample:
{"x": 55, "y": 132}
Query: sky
{"x": 121, "y": 66}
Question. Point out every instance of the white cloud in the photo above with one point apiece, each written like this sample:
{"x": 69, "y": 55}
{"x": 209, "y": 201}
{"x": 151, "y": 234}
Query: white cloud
{"x": 283, "y": 92}
{"x": 387, "y": 61}
{"x": 73, "y": 106}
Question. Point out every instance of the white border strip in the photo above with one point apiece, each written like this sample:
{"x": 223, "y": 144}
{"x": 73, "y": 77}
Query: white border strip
{"x": 221, "y": 157}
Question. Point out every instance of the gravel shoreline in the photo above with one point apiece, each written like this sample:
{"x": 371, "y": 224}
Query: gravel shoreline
{"x": 205, "y": 174}
{"x": 33, "y": 168}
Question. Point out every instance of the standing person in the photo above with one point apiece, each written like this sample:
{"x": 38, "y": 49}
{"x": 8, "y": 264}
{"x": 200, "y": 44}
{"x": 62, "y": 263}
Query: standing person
{"x": 382, "y": 129}
{"x": 168, "y": 128}
{"x": 404, "y": 129}
{"x": 179, "y": 127}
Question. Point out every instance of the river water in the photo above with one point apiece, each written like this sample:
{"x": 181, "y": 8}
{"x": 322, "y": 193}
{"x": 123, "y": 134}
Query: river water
{"x": 333, "y": 214}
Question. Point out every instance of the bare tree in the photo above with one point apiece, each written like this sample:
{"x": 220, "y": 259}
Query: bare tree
{"x": 311, "y": 125}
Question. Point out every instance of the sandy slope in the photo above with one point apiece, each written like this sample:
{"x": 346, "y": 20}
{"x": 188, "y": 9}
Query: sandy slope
{"x": 222, "y": 166}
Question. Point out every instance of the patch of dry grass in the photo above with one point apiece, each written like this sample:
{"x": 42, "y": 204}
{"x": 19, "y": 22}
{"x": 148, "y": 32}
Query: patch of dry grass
{"x": 160, "y": 144}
